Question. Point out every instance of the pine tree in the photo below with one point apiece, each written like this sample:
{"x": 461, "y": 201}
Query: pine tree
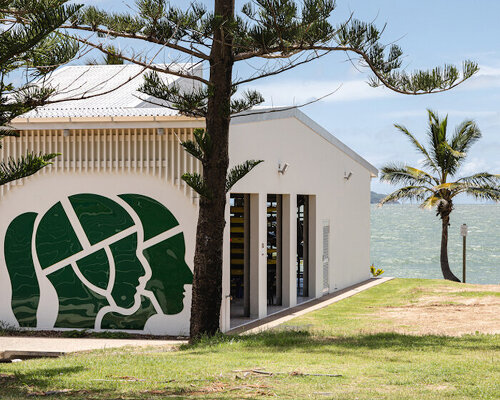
{"x": 280, "y": 34}
{"x": 29, "y": 45}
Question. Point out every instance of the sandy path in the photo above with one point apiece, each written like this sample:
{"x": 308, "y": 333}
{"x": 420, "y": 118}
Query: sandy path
{"x": 449, "y": 313}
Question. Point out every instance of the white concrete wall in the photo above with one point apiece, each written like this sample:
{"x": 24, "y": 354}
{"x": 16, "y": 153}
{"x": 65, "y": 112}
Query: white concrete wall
{"x": 316, "y": 168}
{"x": 41, "y": 192}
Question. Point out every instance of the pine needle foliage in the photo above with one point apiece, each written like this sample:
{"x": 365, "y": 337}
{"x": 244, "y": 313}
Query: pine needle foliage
{"x": 239, "y": 171}
{"x": 13, "y": 169}
{"x": 439, "y": 185}
{"x": 29, "y": 42}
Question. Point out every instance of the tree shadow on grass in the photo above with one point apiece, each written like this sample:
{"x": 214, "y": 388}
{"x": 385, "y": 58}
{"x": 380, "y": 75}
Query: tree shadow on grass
{"x": 40, "y": 382}
{"x": 286, "y": 340}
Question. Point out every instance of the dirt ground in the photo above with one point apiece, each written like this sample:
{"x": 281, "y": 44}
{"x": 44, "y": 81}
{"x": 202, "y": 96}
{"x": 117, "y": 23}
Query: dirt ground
{"x": 450, "y": 311}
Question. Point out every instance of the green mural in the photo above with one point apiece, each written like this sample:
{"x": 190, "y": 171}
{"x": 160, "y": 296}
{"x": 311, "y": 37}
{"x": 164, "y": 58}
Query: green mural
{"x": 128, "y": 270}
{"x": 95, "y": 268}
{"x": 78, "y": 304}
{"x": 100, "y": 217}
{"x": 104, "y": 278}
{"x": 168, "y": 292}
{"x": 22, "y": 272}
{"x": 55, "y": 237}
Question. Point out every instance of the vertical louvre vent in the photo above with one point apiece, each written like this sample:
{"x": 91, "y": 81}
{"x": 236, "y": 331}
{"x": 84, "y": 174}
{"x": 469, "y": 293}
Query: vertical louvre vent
{"x": 326, "y": 255}
{"x": 120, "y": 150}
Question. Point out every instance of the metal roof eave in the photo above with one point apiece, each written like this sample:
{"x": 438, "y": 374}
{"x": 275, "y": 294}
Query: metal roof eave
{"x": 107, "y": 122}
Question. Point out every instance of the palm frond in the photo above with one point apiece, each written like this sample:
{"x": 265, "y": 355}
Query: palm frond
{"x": 408, "y": 192}
{"x": 431, "y": 201}
{"x": 239, "y": 171}
{"x": 404, "y": 174}
{"x": 428, "y": 160}
{"x": 436, "y": 133}
{"x": 466, "y": 134}
{"x": 13, "y": 169}
{"x": 447, "y": 186}
{"x": 481, "y": 178}
{"x": 454, "y": 153}
{"x": 484, "y": 192}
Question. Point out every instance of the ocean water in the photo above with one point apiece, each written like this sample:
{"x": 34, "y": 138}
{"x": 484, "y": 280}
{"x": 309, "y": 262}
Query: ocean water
{"x": 406, "y": 240}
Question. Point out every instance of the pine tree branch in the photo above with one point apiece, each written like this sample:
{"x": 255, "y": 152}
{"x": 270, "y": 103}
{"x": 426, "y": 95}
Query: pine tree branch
{"x": 238, "y": 172}
{"x": 281, "y": 109}
{"x": 147, "y": 65}
{"x": 13, "y": 169}
{"x": 201, "y": 147}
{"x": 469, "y": 68}
{"x": 277, "y": 71}
{"x": 196, "y": 182}
{"x": 109, "y": 32}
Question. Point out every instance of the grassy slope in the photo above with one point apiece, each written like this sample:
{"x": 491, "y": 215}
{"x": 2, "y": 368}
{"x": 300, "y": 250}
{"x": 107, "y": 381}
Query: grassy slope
{"x": 340, "y": 339}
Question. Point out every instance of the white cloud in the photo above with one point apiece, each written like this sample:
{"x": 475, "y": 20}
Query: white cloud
{"x": 475, "y": 165}
{"x": 487, "y": 77}
{"x": 302, "y": 91}
{"x": 461, "y": 114}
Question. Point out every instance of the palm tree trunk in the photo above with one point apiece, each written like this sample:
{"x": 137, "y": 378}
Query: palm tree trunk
{"x": 445, "y": 266}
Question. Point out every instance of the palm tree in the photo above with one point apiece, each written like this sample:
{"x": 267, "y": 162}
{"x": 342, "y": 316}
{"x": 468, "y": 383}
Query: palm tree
{"x": 437, "y": 188}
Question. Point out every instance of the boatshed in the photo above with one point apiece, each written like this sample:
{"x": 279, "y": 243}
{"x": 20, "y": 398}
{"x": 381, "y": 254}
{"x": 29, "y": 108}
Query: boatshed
{"x": 104, "y": 238}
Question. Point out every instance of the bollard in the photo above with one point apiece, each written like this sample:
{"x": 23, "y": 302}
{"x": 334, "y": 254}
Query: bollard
{"x": 463, "y": 232}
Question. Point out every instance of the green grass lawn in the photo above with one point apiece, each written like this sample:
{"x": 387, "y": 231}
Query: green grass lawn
{"x": 346, "y": 339}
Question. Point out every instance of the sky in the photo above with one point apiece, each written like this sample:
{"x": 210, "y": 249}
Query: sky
{"x": 431, "y": 33}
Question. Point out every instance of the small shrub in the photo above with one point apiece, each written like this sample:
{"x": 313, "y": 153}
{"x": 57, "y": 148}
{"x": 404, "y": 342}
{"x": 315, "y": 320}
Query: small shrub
{"x": 376, "y": 271}
{"x": 7, "y": 329}
{"x": 74, "y": 334}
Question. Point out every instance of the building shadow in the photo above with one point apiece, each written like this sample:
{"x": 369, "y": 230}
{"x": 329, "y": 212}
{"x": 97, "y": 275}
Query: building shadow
{"x": 281, "y": 340}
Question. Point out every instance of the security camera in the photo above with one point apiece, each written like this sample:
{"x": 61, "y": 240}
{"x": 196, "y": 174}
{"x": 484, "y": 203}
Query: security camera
{"x": 282, "y": 168}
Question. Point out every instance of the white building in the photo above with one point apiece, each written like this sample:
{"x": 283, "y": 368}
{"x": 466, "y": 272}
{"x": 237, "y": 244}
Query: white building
{"x": 104, "y": 238}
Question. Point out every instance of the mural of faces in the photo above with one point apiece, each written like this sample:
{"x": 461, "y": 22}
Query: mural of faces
{"x": 112, "y": 265}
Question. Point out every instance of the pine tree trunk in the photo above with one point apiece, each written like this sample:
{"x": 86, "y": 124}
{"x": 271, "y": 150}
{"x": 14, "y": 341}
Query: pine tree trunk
{"x": 207, "y": 281}
{"x": 445, "y": 266}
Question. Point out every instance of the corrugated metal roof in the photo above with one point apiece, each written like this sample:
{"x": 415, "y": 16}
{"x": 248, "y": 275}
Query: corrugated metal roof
{"x": 109, "y": 92}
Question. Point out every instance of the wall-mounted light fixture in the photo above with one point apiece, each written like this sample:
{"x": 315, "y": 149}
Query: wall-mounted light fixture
{"x": 283, "y": 167}
{"x": 160, "y": 131}
{"x": 66, "y": 132}
{"x": 347, "y": 175}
